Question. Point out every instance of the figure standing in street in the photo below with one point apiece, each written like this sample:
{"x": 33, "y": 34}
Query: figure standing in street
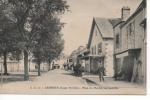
{"x": 101, "y": 72}
{"x": 52, "y": 65}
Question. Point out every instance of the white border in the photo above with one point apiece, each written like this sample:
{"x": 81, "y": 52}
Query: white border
{"x": 148, "y": 48}
{"x": 93, "y": 97}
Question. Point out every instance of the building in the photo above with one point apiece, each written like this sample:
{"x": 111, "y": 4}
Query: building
{"x": 130, "y": 45}
{"x": 14, "y": 65}
{"x": 77, "y": 54}
{"x": 100, "y": 44}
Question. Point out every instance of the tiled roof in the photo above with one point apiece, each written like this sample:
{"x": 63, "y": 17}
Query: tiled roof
{"x": 115, "y": 21}
{"x": 105, "y": 27}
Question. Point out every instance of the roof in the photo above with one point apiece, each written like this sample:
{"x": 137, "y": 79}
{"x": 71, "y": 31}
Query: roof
{"x": 115, "y": 21}
{"x": 140, "y": 7}
{"x": 78, "y": 51}
{"x": 105, "y": 27}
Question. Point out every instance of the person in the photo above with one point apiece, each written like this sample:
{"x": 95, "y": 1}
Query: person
{"x": 101, "y": 72}
{"x": 78, "y": 69}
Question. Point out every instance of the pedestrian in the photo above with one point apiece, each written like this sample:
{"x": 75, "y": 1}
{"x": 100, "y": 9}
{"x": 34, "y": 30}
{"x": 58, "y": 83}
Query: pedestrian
{"x": 78, "y": 69}
{"x": 101, "y": 72}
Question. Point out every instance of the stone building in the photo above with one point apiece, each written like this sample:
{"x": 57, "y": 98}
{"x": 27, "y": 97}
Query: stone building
{"x": 100, "y": 44}
{"x": 130, "y": 45}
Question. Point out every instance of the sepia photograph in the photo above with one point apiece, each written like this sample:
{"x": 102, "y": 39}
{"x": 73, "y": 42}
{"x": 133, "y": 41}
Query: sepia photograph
{"x": 73, "y": 47}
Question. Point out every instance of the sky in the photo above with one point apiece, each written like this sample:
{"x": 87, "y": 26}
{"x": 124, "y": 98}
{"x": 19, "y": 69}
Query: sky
{"x": 79, "y": 19}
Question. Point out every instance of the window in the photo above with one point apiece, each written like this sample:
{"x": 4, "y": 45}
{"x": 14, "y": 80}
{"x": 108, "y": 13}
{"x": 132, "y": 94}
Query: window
{"x": 99, "y": 48}
{"x": 92, "y": 50}
{"x": 70, "y": 60}
{"x": 130, "y": 35}
{"x": 117, "y": 41}
{"x": 130, "y": 29}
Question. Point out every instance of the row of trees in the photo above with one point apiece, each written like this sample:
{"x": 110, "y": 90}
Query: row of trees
{"x": 31, "y": 27}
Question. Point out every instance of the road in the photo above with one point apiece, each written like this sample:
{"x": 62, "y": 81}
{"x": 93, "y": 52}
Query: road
{"x": 59, "y": 81}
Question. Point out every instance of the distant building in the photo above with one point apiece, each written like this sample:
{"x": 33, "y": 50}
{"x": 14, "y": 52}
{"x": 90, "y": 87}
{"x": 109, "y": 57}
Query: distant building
{"x": 130, "y": 45}
{"x": 18, "y": 65}
{"x": 75, "y": 56}
{"x": 100, "y": 44}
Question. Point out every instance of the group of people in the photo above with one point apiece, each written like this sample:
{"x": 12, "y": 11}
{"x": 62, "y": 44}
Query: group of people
{"x": 78, "y": 69}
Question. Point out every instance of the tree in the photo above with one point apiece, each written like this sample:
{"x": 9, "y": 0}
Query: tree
{"x": 50, "y": 43}
{"x": 8, "y": 38}
{"x": 28, "y": 14}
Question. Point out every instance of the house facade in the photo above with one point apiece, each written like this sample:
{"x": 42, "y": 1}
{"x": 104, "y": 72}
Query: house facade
{"x": 130, "y": 45}
{"x": 18, "y": 65}
{"x": 100, "y": 45}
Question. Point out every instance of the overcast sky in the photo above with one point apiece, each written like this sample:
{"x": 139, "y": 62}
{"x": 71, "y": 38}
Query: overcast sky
{"x": 79, "y": 19}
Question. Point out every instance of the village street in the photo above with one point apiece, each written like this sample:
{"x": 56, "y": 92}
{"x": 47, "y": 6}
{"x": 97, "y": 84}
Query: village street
{"x": 59, "y": 81}
{"x": 63, "y": 47}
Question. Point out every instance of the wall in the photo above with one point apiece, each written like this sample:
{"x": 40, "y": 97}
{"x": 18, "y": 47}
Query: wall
{"x": 96, "y": 39}
{"x": 108, "y": 60}
{"x": 126, "y": 44}
{"x": 136, "y": 44}
{"x": 14, "y": 66}
{"x": 144, "y": 52}
{"x": 117, "y": 32}
{"x": 107, "y": 50}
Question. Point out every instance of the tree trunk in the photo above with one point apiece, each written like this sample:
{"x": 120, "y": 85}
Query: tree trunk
{"x": 39, "y": 68}
{"x": 26, "y": 72}
{"x": 49, "y": 68}
{"x": 5, "y": 63}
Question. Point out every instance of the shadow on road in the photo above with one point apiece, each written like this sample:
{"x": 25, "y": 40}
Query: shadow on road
{"x": 72, "y": 74}
{"x": 90, "y": 82}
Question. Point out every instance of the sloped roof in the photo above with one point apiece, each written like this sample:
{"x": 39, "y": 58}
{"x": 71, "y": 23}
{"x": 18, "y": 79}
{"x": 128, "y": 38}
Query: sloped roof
{"x": 115, "y": 21}
{"x": 105, "y": 27}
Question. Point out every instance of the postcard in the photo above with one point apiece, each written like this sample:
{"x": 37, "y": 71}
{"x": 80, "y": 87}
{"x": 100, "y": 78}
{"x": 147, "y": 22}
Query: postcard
{"x": 73, "y": 47}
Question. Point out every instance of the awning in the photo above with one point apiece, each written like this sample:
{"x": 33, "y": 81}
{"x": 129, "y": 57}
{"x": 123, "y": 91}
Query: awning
{"x": 135, "y": 50}
{"x": 126, "y": 53}
{"x": 93, "y": 56}
{"x": 83, "y": 53}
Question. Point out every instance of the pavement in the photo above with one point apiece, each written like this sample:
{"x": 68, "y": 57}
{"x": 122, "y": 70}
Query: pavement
{"x": 59, "y": 81}
{"x": 109, "y": 81}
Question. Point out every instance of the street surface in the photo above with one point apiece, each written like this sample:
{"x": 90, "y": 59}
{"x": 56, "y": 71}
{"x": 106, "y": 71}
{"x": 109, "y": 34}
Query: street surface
{"x": 59, "y": 81}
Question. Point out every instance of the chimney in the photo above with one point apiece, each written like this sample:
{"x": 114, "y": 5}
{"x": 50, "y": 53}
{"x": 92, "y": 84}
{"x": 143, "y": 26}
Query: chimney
{"x": 125, "y": 13}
